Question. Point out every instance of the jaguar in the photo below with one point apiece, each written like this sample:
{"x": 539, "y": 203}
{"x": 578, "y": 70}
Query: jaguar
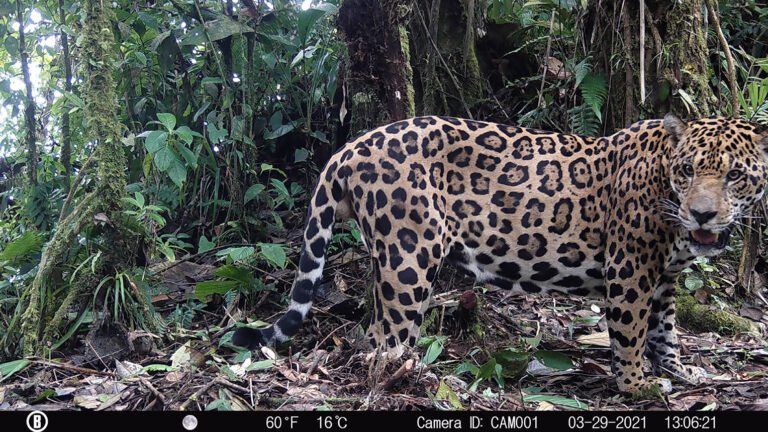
{"x": 535, "y": 212}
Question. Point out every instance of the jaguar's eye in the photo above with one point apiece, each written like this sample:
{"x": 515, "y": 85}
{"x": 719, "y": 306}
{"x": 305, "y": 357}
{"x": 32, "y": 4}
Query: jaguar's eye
{"x": 688, "y": 169}
{"x": 734, "y": 175}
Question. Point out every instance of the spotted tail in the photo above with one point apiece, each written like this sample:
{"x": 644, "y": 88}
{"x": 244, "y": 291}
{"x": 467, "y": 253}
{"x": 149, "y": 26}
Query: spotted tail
{"x": 330, "y": 191}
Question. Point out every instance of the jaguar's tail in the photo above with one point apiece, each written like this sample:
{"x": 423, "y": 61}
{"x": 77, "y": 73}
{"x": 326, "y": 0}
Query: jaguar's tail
{"x": 329, "y": 193}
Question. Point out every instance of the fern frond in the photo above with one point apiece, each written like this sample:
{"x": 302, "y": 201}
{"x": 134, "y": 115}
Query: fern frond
{"x": 594, "y": 90}
{"x": 583, "y": 121}
{"x": 580, "y": 70}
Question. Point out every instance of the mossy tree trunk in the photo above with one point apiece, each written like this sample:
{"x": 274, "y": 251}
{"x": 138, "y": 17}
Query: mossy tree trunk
{"x": 103, "y": 204}
{"x": 66, "y": 141}
{"x": 676, "y": 66}
{"x": 448, "y": 79}
{"x": 29, "y": 100}
{"x": 686, "y": 70}
{"x": 379, "y": 69}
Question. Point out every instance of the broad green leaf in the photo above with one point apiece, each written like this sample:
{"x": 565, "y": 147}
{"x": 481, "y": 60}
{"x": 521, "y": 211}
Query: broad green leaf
{"x": 168, "y": 120}
{"x": 177, "y": 172}
{"x": 253, "y": 192}
{"x": 215, "y": 134}
{"x": 693, "y": 282}
{"x": 207, "y": 288}
{"x": 155, "y": 140}
{"x": 556, "y": 400}
{"x": 204, "y": 245}
{"x": 487, "y": 370}
{"x": 237, "y": 253}
{"x": 11, "y": 45}
{"x": 309, "y": 17}
{"x": 319, "y": 135}
{"x": 301, "y": 155}
{"x": 534, "y": 341}
{"x": 165, "y": 157}
{"x": 269, "y": 59}
{"x": 139, "y": 199}
{"x": 158, "y": 368}
{"x": 280, "y": 187}
{"x": 186, "y": 134}
{"x": 261, "y": 365}
{"x": 188, "y": 155}
{"x": 30, "y": 242}
{"x": 513, "y": 363}
{"x": 234, "y": 273}
{"x": 434, "y": 350}
{"x": 211, "y": 80}
{"x": 12, "y": 367}
{"x": 466, "y": 367}
{"x": 554, "y": 360}
{"x": 217, "y": 29}
{"x": 274, "y": 254}
{"x": 446, "y": 393}
{"x": 282, "y": 130}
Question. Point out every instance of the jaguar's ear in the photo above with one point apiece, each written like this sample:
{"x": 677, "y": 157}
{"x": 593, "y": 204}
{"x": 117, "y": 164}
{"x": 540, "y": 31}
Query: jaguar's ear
{"x": 675, "y": 127}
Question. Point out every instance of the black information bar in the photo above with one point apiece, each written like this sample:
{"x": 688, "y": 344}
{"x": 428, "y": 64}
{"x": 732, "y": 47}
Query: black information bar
{"x": 370, "y": 421}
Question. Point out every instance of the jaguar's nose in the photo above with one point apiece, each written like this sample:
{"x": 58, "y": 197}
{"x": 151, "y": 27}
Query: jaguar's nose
{"x": 703, "y": 217}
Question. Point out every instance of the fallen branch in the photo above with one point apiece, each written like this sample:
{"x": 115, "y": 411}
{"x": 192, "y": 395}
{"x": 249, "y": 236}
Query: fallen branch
{"x": 398, "y": 375}
{"x": 199, "y": 393}
{"x": 154, "y": 390}
{"x": 77, "y": 369}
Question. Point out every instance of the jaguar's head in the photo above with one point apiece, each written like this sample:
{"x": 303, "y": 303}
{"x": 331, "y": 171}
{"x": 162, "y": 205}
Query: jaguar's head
{"x": 718, "y": 170}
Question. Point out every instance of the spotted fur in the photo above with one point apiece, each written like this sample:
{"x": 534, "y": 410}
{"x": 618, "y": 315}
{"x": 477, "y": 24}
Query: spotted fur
{"x": 533, "y": 212}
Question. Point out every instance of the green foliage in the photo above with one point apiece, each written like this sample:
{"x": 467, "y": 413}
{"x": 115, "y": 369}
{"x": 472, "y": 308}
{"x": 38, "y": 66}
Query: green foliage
{"x": 118, "y": 298}
{"x": 434, "y": 346}
{"x": 10, "y": 368}
{"x": 561, "y": 401}
{"x": 583, "y": 120}
{"x": 21, "y": 248}
{"x": 594, "y": 90}
{"x": 171, "y": 150}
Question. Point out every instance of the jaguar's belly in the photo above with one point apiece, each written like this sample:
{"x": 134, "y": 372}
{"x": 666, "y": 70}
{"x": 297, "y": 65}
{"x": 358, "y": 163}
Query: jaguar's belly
{"x": 523, "y": 272}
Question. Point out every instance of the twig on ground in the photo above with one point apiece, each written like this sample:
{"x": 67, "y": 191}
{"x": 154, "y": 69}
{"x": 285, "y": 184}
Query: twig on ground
{"x": 398, "y": 375}
{"x": 80, "y": 370}
{"x": 154, "y": 390}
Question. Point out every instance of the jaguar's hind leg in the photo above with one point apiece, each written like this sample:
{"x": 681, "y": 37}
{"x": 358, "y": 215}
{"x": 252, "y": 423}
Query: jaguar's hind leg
{"x": 404, "y": 275}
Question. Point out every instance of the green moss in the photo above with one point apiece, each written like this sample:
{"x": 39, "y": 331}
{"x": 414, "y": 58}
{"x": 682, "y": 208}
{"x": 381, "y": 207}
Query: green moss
{"x": 701, "y": 318}
{"x": 405, "y": 48}
{"x": 652, "y": 392}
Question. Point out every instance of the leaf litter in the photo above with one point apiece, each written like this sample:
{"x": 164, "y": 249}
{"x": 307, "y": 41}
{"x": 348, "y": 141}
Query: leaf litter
{"x": 561, "y": 341}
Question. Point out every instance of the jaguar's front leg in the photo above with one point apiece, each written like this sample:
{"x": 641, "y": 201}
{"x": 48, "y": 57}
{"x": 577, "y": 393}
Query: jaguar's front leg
{"x": 630, "y": 280}
{"x": 663, "y": 348}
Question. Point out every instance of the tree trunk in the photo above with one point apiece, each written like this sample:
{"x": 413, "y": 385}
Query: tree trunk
{"x": 379, "y": 69}
{"x": 103, "y": 127}
{"x": 448, "y": 79}
{"x": 66, "y": 141}
{"x": 29, "y": 100}
{"x": 687, "y": 72}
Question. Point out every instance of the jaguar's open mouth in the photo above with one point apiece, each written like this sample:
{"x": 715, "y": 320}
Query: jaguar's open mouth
{"x": 705, "y": 239}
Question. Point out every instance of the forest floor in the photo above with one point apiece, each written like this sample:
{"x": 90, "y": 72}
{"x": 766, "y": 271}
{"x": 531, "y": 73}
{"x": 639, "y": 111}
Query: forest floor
{"x": 324, "y": 368}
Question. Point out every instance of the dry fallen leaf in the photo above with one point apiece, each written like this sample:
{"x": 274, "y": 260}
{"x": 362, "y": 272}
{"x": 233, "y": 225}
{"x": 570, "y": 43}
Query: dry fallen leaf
{"x": 88, "y": 402}
{"x": 545, "y": 406}
{"x": 175, "y": 376}
{"x": 127, "y": 369}
{"x": 311, "y": 392}
{"x": 597, "y": 339}
{"x": 268, "y": 353}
